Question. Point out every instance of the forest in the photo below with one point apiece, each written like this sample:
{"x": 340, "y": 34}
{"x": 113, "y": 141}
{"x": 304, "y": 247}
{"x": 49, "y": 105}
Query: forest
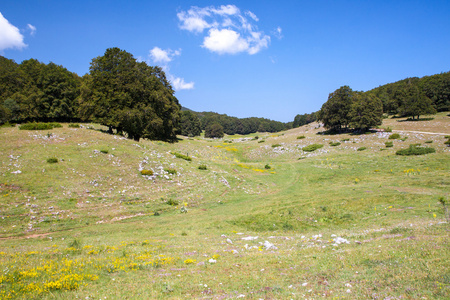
{"x": 137, "y": 100}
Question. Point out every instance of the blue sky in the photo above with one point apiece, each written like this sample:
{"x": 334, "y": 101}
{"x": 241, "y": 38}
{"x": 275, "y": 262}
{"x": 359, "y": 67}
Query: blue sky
{"x": 272, "y": 59}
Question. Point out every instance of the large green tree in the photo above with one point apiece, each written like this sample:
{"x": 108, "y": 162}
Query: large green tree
{"x": 416, "y": 103}
{"x": 366, "y": 112}
{"x": 335, "y": 113}
{"x": 190, "y": 124}
{"x": 130, "y": 96}
{"x": 214, "y": 131}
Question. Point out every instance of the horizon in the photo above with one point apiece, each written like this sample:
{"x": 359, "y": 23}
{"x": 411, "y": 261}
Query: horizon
{"x": 243, "y": 59}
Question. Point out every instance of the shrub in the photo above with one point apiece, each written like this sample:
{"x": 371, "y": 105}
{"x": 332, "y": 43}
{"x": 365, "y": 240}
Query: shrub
{"x": 182, "y": 156}
{"x": 39, "y": 126}
{"x": 52, "y": 160}
{"x": 267, "y": 167}
{"x": 361, "y": 149}
{"x": 262, "y": 141}
{"x": 74, "y": 125}
{"x": 172, "y": 202}
{"x": 394, "y": 136}
{"x": 147, "y": 172}
{"x": 256, "y": 137}
{"x": 389, "y": 144}
{"x": 300, "y": 137}
{"x": 415, "y": 150}
{"x": 105, "y": 151}
{"x": 171, "y": 171}
{"x": 275, "y": 145}
{"x": 389, "y": 129}
{"x": 334, "y": 144}
{"x": 312, "y": 147}
{"x": 202, "y": 167}
{"x": 345, "y": 140}
{"x": 428, "y": 142}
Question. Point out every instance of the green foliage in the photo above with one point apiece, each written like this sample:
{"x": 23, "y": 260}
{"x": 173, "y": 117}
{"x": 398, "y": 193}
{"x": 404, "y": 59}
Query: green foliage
{"x": 276, "y": 145}
{"x": 202, "y": 167}
{"x": 72, "y": 125}
{"x": 172, "y": 202}
{"x": 345, "y": 140}
{"x": 304, "y": 119}
{"x": 214, "y": 131}
{"x": 104, "y": 151}
{"x": 415, "y": 150}
{"x": 312, "y": 147}
{"x": 267, "y": 167}
{"x": 147, "y": 172}
{"x": 182, "y": 156}
{"x": 261, "y": 141}
{"x": 52, "y": 160}
{"x": 394, "y": 136}
{"x": 388, "y": 129}
{"x": 39, "y": 126}
{"x": 171, "y": 171}
{"x": 335, "y": 113}
{"x": 334, "y": 144}
{"x": 366, "y": 112}
{"x": 361, "y": 149}
{"x": 130, "y": 96}
{"x": 389, "y": 144}
{"x": 428, "y": 142}
{"x": 300, "y": 137}
{"x": 190, "y": 124}
{"x": 233, "y": 125}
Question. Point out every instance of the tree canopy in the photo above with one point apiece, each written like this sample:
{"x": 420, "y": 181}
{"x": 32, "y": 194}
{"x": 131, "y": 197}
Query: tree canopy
{"x": 130, "y": 96}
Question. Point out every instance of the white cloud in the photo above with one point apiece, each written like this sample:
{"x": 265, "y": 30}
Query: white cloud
{"x": 229, "y": 31}
{"x": 163, "y": 56}
{"x": 179, "y": 83}
{"x": 225, "y": 41}
{"x": 10, "y": 36}
{"x": 31, "y": 28}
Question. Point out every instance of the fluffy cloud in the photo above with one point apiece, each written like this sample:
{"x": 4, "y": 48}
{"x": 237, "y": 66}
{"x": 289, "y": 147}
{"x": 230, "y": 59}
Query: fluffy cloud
{"x": 10, "y": 36}
{"x": 228, "y": 30}
{"x": 164, "y": 57}
{"x": 225, "y": 41}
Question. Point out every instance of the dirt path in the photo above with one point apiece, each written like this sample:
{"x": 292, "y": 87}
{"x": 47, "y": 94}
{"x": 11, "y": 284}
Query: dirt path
{"x": 422, "y": 132}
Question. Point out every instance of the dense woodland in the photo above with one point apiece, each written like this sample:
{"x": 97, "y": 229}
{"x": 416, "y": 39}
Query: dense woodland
{"x": 138, "y": 101}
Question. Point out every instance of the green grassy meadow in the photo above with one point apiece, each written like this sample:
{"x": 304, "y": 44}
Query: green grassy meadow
{"x": 265, "y": 220}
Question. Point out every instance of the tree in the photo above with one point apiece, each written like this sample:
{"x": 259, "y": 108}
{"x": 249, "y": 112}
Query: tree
{"x": 416, "y": 103}
{"x": 366, "y": 112}
{"x": 130, "y": 96}
{"x": 335, "y": 113}
{"x": 214, "y": 131}
{"x": 190, "y": 124}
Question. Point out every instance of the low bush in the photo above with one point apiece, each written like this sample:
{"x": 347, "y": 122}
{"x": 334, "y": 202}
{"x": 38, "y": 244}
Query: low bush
{"x": 389, "y": 144}
{"x": 394, "y": 136}
{"x": 39, "y": 126}
{"x": 202, "y": 167}
{"x": 267, "y": 167}
{"x": 415, "y": 150}
{"x": 262, "y": 141}
{"x": 52, "y": 160}
{"x": 74, "y": 125}
{"x": 389, "y": 129}
{"x": 172, "y": 202}
{"x": 276, "y": 145}
{"x": 182, "y": 156}
{"x": 171, "y": 171}
{"x": 361, "y": 149}
{"x": 300, "y": 137}
{"x": 345, "y": 140}
{"x": 312, "y": 147}
{"x": 105, "y": 151}
{"x": 428, "y": 142}
{"x": 147, "y": 172}
{"x": 334, "y": 144}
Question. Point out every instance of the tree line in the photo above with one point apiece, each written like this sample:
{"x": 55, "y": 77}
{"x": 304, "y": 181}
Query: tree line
{"x": 411, "y": 97}
{"x": 119, "y": 92}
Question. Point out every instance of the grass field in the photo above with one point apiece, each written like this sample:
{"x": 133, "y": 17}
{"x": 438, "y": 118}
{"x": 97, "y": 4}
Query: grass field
{"x": 263, "y": 220}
